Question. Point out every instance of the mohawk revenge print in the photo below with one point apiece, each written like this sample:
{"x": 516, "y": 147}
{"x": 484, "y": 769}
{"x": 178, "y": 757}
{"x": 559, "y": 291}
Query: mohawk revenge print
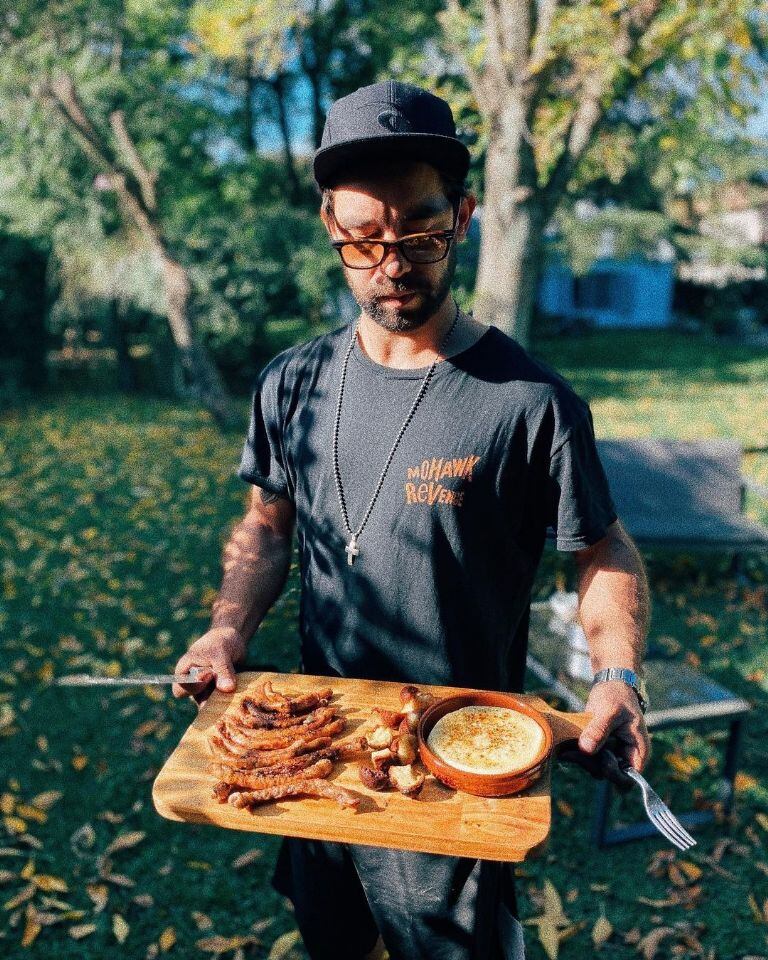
{"x": 424, "y": 483}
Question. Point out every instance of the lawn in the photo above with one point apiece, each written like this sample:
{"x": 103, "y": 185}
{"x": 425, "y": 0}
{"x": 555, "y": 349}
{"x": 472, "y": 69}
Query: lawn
{"x": 113, "y": 512}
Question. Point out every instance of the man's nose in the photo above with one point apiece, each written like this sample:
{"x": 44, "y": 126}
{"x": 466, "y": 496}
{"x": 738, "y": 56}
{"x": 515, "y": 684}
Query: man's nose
{"x": 394, "y": 263}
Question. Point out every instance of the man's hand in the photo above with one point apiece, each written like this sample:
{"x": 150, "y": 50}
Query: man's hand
{"x": 616, "y": 713}
{"x": 217, "y": 652}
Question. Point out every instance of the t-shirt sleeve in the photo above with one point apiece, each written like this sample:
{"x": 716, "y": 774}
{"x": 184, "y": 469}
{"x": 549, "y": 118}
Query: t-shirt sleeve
{"x": 580, "y": 505}
{"x": 262, "y": 462}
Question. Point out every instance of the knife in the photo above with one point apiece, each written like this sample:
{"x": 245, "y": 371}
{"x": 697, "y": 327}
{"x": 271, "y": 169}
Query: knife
{"x": 139, "y": 679}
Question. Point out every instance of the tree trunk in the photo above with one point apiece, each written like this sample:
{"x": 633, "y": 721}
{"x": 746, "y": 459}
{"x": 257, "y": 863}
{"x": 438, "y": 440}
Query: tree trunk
{"x": 318, "y": 117}
{"x": 249, "y": 111}
{"x": 278, "y": 85}
{"x": 126, "y": 375}
{"x": 201, "y": 378}
{"x": 134, "y": 185}
{"x": 513, "y": 219}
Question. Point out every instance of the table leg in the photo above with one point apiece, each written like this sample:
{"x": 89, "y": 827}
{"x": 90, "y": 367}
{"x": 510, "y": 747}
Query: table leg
{"x": 730, "y": 764}
{"x": 602, "y": 810}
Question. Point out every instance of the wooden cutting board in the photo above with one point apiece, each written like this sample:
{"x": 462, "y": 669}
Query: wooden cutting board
{"x": 440, "y": 820}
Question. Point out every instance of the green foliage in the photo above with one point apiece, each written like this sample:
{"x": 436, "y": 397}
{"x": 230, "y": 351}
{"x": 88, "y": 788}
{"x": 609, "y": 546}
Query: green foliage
{"x": 247, "y": 233}
{"x": 253, "y": 257}
{"x": 633, "y": 233}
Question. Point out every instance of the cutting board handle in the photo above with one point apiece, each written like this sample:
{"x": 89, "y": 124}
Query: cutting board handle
{"x": 566, "y": 726}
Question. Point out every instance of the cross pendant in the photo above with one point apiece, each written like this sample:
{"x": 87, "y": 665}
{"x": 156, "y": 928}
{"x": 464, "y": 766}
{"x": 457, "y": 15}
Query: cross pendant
{"x": 352, "y": 550}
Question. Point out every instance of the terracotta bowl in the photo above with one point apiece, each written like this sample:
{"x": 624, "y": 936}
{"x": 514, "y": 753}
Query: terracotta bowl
{"x": 483, "y": 784}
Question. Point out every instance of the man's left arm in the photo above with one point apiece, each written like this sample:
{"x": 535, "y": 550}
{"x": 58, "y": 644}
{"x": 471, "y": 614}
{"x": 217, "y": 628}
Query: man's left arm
{"x": 614, "y": 611}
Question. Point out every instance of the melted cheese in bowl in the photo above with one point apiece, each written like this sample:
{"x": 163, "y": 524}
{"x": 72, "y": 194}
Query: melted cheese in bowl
{"x": 486, "y": 739}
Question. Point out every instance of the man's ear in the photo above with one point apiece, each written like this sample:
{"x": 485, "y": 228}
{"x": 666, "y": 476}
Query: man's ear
{"x": 467, "y": 208}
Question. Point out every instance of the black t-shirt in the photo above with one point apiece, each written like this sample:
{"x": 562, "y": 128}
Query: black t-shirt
{"x": 499, "y": 450}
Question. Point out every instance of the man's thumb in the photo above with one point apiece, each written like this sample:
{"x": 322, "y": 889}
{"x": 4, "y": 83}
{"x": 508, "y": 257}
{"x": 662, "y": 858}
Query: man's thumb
{"x": 592, "y": 737}
{"x": 225, "y": 675}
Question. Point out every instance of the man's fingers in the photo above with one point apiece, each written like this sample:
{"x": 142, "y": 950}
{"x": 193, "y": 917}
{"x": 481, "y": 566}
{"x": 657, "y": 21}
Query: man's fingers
{"x": 596, "y": 732}
{"x": 216, "y": 671}
{"x": 190, "y": 689}
{"x": 225, "y": 675}
{"x": 640, "y": 750}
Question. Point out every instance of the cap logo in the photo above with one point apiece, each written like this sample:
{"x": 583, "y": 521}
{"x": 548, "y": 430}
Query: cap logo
{"x": 395, "y": 122}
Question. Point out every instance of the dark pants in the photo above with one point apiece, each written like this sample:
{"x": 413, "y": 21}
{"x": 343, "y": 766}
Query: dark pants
{"x": 425, "y": 906}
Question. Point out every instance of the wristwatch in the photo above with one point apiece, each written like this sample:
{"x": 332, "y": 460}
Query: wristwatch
{"x": 627, "y": 676}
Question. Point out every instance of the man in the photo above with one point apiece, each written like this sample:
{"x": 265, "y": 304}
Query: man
{"x": 421, "y": 458}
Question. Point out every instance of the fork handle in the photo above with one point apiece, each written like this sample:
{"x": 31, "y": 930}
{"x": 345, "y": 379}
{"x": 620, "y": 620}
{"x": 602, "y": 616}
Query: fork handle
{"x": 603, "y": 765}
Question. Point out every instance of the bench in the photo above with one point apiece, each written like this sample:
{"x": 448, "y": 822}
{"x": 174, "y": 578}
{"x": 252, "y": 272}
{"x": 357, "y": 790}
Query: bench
{"x": 683, "y": 494}
{"x": 679, "y": 695}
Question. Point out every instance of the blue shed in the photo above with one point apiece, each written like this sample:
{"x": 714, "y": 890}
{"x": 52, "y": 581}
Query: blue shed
{"x": 613, "y": 293}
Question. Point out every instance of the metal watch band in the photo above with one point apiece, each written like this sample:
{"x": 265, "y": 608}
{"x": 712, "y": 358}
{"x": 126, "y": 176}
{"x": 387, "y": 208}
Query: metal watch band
{"x": 625, "y": 675}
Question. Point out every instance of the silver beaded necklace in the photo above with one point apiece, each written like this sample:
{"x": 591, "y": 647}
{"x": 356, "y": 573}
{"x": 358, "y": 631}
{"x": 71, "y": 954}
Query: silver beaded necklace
{"x": 352, "y": 549}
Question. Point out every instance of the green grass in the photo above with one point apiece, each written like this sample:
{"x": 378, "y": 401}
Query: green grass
{"x": 113, "y": 513}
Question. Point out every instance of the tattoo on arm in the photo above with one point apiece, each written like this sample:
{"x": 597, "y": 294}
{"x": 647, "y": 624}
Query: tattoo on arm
{"x": 267, "y": 496}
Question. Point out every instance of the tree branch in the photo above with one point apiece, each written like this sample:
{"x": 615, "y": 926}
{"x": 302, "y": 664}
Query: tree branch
{"x": 147, "y": 179}
{"x": 482, "y": 90}
{"x": 589, "y": 115}
{"x": 62, "y": 96}
{"x": 540, "y": 45}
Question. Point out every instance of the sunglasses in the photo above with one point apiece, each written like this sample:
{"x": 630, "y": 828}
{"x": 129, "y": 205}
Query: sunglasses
{"x": 415, "y": 248}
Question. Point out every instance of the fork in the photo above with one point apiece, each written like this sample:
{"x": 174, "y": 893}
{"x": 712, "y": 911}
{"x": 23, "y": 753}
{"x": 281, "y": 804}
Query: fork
{"x": 658, "y": 812}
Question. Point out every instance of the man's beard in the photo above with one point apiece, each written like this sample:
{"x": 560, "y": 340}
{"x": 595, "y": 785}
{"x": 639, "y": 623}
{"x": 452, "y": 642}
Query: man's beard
{"x": 398, "y": 320}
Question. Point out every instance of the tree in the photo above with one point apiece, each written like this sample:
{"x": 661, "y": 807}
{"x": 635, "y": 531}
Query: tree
{"x": 102, "y": 72}
{"x": 548, "y": 77}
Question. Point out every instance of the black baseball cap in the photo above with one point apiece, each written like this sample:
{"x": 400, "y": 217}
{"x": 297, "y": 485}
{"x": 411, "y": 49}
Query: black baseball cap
{"x": 389, "y": 118}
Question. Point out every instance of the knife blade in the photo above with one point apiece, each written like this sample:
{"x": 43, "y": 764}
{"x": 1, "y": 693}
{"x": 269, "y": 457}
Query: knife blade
{"x": 139, "y": 679}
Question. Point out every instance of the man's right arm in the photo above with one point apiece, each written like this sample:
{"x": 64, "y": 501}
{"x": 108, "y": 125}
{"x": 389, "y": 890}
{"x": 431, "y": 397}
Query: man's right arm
{"x": 256, "y": 562}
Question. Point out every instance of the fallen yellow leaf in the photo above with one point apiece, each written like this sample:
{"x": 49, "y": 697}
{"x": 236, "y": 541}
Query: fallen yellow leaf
{"x": 167, "y": 939}
{"x": 223, "y": 944}
{"x": 99, "y": 894}
{"x": 45, "y": 673}
{"x": 49, "y": 884}
{"x": 744, "y": 781}
{"x": 79, "y": 761}
{"x": 31, "y": 813}
{"x": 601, "y": 931}
{"x": 247, "y": 858}
{"x": 125, "y": 841}
{"x": 81, "y": 930}
{"x": 119, "y": 879}
{"x": 550, "y": 938}
{"x": 691, "y": 871}
{"x": 46, "y": 799}
{"x": 683, "y": 764}
{"x": 120, "y": 928}
{"x": 31, "y": 930}
{"x": 26, "y": 893}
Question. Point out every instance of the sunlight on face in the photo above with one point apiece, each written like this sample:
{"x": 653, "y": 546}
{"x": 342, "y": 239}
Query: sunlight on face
{"x": 390, "y": 203}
